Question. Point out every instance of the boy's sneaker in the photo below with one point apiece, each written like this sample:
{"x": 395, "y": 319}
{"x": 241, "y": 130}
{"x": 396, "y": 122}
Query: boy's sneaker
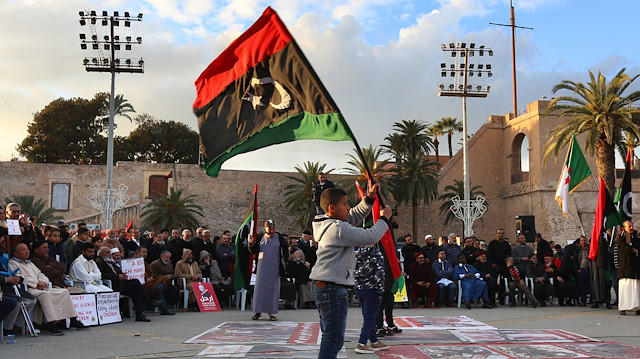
{"x": 395, "y": 330}
{"x": 364, "y": 349}
{"x": 379, "y": 346}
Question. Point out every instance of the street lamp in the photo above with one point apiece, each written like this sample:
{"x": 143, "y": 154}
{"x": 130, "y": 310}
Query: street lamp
{"x": 466, "y": 209}
{"x": 108, "y": 200}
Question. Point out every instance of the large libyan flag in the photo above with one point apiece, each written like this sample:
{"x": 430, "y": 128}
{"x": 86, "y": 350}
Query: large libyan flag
{"x": 262, "y": 91}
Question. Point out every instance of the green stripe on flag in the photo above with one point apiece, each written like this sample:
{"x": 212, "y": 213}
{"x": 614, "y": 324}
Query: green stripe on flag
{"x": 303, "y": 126}
{"x": 238, "y": 279}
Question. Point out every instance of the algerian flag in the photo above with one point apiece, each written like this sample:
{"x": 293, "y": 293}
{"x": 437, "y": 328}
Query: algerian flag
{"x": 574, "y": 172}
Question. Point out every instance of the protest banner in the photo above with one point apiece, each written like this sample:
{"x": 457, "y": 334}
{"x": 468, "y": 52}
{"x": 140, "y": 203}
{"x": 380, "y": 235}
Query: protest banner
{"x": 206, "y": 297}
{"x": 133, "y": 268}
{"x": 14, "y": 227}
{"x": 85, "y": 306}
{"x": 108, "y": 306}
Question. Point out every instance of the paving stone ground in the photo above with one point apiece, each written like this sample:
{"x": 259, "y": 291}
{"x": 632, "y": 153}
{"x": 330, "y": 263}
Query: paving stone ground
{"x": 166, "y": 336}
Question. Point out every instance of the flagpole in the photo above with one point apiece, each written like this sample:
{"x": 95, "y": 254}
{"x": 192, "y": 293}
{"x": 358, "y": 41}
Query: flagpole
{"x": 366, "y": 166}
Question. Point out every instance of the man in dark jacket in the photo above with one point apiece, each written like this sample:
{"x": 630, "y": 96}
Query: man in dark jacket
{"x": 120, "y": 283}
{"x": 542, "y": 246}
{"x": 489, "y": 274}
{"x": 421, "y": 282}
{"x": 409, "y": 251}
{"x": 430, "y": 249}
{"x": 321, "y": 184}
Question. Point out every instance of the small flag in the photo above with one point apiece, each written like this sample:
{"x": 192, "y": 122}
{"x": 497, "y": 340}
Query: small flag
{"x": 574, "y": 172}
{"x": 606, "y": 217}
{"x": 129, "y": 225}
{"x": 244, "y": 259}
{"x": 170, "y": 175}
{"x": 387, "y": 245}
{"x": 261, "y": 91}
{"x": 624, "y": 196}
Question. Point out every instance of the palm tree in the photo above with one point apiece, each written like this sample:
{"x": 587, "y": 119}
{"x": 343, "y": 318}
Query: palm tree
{"x": 457, "y": 189}
{"x": 121, "y": 107}
{"x": 449, "y": 125}
{"x": 600, "y": 110}
{"x": 36, "y": 208}
{"x": 410, "y": 140}
{"x": 415, "y": 181}
{"x": 357, "y": 172}
{"x": 629, "y": 142}
{"x": 172, "y": 211}
{"x": 435, "y": 130}
{"x": 298, "y": 195}
{"x": 414, "y": 178}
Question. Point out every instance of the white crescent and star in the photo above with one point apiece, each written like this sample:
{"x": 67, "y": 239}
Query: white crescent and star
{"x": 256, "y": 101}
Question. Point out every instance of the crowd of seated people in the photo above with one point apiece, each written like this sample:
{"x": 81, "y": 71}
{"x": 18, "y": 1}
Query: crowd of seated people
{"x": 541, "y": 272}
{"x": 52, "y": 263}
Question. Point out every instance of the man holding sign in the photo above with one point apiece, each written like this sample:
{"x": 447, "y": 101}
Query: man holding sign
{"x": 123, "y": 284}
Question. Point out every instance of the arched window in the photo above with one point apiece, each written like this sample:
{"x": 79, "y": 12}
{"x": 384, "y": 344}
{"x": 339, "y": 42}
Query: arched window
{"x": 520, "y": 159}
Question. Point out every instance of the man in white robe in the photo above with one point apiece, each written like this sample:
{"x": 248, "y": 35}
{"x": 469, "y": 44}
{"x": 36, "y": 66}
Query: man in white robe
{"x": 55, "y": 302}
{"x": 85, "y": 269}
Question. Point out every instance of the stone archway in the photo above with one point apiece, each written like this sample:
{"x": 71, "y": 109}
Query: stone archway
{"x": 520, "y": 159}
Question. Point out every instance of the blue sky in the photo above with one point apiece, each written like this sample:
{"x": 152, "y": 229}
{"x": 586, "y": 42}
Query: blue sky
{"x": 378, "y": 58}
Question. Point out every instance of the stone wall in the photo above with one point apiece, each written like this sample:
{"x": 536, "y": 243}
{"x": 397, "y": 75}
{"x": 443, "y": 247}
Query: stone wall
{"x": 494, "y": 157}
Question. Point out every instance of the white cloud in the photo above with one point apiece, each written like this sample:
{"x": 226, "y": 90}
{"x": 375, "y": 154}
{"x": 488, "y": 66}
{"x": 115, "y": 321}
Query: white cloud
{"x": 375, "y": 82}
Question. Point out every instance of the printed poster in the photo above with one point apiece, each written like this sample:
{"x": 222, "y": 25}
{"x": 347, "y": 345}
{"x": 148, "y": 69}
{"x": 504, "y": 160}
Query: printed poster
{"x": 260, "y": 331}
{"x": 108, "y": 306}
{"x": 266, "y": 351}
{"x": 206, "y": 297}
{"x": 133, "y": 268}
{"x": 401, "y": 295}
{"x": 14, "y": 227}
{"x": 85, "y": 306}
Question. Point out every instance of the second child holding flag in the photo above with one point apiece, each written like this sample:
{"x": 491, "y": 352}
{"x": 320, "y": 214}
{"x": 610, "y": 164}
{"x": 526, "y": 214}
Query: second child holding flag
{"x": 333, "y": 273}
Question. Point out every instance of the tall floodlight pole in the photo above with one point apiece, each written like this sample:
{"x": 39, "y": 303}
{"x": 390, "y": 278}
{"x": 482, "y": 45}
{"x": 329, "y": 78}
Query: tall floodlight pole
{"x": 466, "y": 209}
{"x": 109, "y": 200}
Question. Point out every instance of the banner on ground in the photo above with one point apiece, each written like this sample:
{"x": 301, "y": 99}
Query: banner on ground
{"x": 85, "y": 306}
{"x": 133, "y": 268}
{"x": 206, "y": 297}
{"x": 108, "y": 307}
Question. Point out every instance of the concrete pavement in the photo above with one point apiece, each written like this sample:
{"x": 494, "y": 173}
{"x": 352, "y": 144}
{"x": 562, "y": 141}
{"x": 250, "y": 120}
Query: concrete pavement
{"x": 164, "y": 337}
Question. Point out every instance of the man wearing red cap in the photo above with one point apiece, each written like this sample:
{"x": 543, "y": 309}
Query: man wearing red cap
{"x": 421, "y": 282}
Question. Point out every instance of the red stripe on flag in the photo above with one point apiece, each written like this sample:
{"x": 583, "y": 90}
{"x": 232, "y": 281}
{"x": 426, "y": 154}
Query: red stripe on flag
{"x": 265, "y": 37}
{"x": 129, "y": 225}
{"x": 597, "y": 222}
{"x": 387, "y": 240}
{"x": 360, "y": 190}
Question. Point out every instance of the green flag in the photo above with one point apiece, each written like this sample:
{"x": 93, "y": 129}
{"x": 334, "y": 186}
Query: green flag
{"x": 574, "y": 172}
{"x": 243, "y": 262}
